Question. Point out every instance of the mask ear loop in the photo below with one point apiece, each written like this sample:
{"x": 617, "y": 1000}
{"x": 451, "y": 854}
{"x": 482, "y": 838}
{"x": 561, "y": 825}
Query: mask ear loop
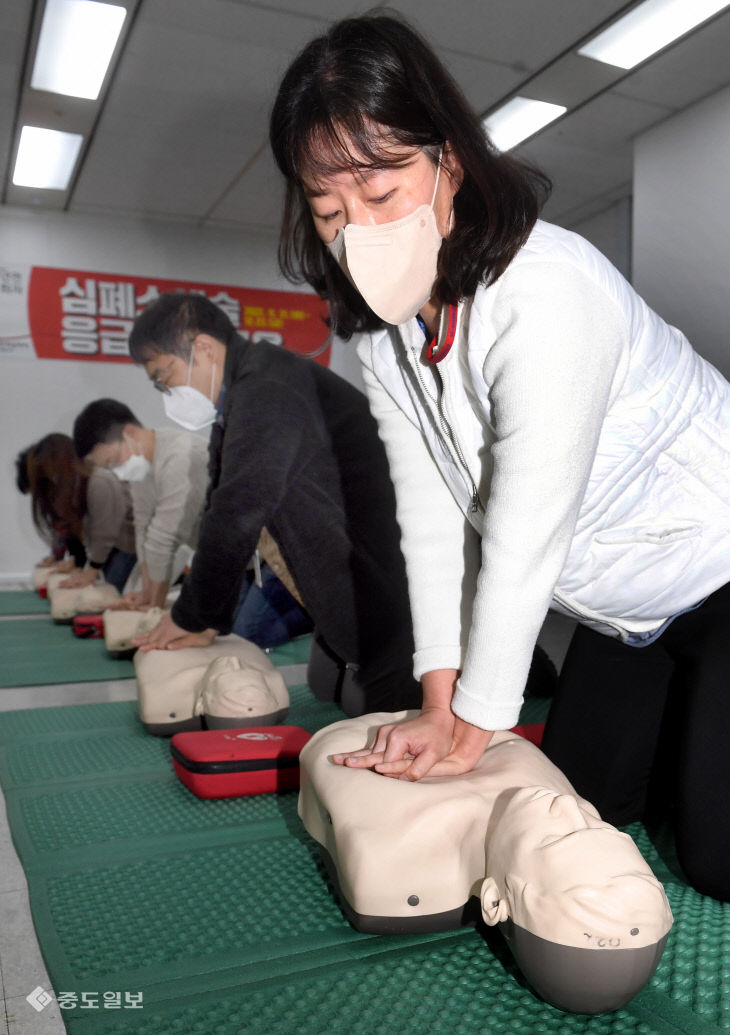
{"x": 438, "y": 173}
{"x": 212, "y": 382}
{"x": 131, "y": 445}
{"x": 190, "y": 363}
{"x": 435, "y": 188}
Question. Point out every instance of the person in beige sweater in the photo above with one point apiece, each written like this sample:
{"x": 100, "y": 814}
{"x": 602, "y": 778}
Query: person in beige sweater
{"x": 167, "y": 474}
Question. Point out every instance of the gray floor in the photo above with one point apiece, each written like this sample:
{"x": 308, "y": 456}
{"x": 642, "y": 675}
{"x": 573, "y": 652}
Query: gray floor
{"x": 22, "y": 971}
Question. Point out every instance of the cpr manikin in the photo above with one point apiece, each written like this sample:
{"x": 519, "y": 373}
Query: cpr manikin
{"x": 40, "y": 576}
{"x": 228, "y": 684}
{"x": 121, "y": 627}
{"x": 579, "y": 907}
{"x": 81, "y": 600}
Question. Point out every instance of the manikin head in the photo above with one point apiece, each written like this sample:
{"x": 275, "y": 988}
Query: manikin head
{"x": 231, "y": 694}
{"x": 558, "y": 876}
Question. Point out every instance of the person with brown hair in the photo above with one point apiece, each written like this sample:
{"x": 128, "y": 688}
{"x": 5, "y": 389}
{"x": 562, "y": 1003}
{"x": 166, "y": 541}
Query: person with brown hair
{"x": 73, "y": 501}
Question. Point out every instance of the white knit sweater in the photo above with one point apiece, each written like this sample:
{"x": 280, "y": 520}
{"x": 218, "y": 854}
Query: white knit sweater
{"x": 599, "y": 444}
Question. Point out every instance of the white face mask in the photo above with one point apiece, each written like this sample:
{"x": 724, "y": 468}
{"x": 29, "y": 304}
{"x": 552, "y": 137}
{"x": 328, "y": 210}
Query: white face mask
{"x": 187, "y": 406}
{"x": 392, "y": 265}
{"x": 135, "y": 468}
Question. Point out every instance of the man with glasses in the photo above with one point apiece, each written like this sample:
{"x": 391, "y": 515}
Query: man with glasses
{"x": 294, "y": 449}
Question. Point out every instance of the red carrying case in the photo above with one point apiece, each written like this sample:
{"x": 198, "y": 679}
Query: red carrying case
{"x": 533, "y": 732}
{"x": 88, "y": 627}
{"x": 234, "y": 763}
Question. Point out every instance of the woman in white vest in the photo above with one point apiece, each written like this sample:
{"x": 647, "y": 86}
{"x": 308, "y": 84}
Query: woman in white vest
{"x": 553, "y": 443}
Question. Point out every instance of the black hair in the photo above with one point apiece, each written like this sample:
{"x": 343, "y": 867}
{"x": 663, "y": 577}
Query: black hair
{"x": 22, "y": 479}
{"x": 101, "y": 421}
{"x": 372, "y": 72}
{"x": 170, "y": 324}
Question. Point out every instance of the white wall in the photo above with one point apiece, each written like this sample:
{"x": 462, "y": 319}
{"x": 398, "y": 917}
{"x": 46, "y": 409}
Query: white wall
{"x": 610, "y": 232}
{"x": 40, "y": 396}
{"x": 681, "y": 245}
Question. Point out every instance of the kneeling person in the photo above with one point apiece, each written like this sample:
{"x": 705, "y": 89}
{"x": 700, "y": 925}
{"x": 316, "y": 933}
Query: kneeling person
{"x": 293, "y": 448}
{"x": 167, "y": 473}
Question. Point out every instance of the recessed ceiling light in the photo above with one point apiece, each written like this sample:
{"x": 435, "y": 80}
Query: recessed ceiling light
{"x": 76, "y": 43}
{"x": 46, "y": 158}
{"x": 518, "y": 119}
{"x": 647, "y": 29}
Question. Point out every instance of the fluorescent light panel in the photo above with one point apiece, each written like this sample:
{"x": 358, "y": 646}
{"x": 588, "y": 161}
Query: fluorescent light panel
{"x": 518, "y": 119}
{"x": 46, "y": 158}
{"x": 647, "y": 29}
{"x": 76, "y": 43}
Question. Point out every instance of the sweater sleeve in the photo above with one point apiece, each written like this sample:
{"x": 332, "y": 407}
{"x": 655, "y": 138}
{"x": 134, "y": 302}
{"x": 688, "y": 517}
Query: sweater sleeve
{"x": 439, "y": 545}
{"x": 143, "y": 503}
{"x": 106, "y": 504}
{"x": 178, "y": 496}
{"x": 262, "y": 443}
{"x": 559, "y": 341}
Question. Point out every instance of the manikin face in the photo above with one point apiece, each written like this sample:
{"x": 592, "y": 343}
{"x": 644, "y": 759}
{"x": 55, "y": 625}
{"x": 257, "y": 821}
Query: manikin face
{"x": 562, "y": 873}
{"x": 366, "y": 196}
{"x": 229, "y": 689}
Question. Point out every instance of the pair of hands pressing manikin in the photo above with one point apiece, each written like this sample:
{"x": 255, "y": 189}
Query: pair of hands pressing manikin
{"x": 77, "y": 577}
{"x": 435, "y": 743}
{"x": 168, "y": 636}
{"x": 80, "y": 578}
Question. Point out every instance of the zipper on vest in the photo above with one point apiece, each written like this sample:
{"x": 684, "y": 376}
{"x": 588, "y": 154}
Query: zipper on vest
{"x": 579, "y": 614}
{"x": 446, "y": 428}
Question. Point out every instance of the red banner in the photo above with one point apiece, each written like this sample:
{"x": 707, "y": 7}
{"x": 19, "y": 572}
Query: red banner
{"x": 76, "y": 314}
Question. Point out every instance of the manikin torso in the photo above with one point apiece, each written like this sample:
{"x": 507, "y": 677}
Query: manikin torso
{"x": 573, "y": 894}
{"x": 231, "y": 682}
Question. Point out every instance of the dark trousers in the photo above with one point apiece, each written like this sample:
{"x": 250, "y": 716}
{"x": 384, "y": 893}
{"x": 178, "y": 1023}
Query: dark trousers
{"x": 639, "y": 730}
{"x": 268, "y": 615}
{"x": 330, "y": 678}
{"x": 118, "y": 567}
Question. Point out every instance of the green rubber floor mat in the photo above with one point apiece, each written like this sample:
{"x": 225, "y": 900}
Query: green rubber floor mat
{"x": 295, "y": 652}
{"x": 22, "y": 602}
{"x": 35, "y": 651}
{"x": 219, "y": 915}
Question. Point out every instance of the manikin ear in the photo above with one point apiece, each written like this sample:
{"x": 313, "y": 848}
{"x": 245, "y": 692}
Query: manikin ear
{"x": 494, "y": 906}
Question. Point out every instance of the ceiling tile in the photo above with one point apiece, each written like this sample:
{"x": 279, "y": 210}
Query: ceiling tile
{"x": 523, "y": 34}
{"x": 183, "y": 132}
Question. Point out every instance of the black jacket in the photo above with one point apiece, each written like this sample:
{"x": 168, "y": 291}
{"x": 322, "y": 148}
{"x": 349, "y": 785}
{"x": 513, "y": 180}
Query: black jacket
{"x": 297, "y": 450}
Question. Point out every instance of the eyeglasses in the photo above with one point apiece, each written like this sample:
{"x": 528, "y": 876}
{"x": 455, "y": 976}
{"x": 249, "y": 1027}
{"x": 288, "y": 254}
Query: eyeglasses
{"x": 158, "y": 379}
